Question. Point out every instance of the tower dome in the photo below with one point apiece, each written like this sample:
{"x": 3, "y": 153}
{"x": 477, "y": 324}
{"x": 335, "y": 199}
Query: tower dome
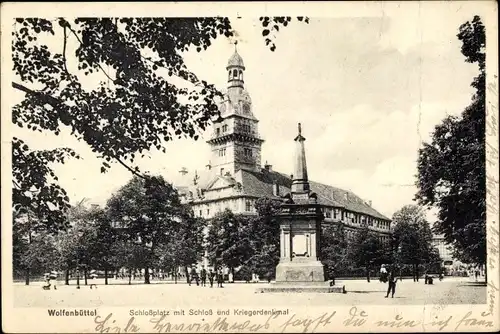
{"x": 235, "y": 60}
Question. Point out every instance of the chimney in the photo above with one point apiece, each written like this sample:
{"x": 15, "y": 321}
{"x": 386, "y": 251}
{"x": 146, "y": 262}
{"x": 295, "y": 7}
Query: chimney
{"x": 276, "y": 189}
{"x": 209, "y": 165}
{"x": 369, "y": 203}
{"x": 268, "y": 167}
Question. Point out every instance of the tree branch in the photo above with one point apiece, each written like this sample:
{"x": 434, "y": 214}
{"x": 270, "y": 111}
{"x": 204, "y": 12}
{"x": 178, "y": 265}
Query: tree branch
{"x": 64, "y": 49}
{"x": 81, "y": 43}
{"x": 56, "y": 103}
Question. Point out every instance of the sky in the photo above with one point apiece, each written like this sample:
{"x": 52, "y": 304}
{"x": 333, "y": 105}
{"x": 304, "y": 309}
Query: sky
{"x": 367, "y": 90}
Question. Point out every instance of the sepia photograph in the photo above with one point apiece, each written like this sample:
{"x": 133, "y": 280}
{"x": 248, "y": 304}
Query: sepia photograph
{"x": 215, "y": 167}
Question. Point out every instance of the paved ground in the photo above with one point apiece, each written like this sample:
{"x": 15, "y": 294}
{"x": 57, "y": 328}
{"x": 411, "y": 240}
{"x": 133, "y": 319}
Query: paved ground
{"x": 359, "y": 292}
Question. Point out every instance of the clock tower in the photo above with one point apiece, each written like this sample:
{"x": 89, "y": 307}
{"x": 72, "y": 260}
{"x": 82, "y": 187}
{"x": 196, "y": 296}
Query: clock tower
{"x": 235, "y": 142}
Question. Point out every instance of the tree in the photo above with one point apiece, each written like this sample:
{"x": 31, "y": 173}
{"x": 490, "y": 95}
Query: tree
{"x": 261, "y": 235}
{"x": 34, "y": 251}
{"x": 451, "y": 168}
{"x": 334, "y": 249}
{"x": 148, "y": 211}
{"x": 366, "y": 250}
{"x": 135, "y": 105}
{"x": 412, "y": 239}
{"x": 101, "y": 243}
{"x": 186, "y": 243}
{"x": 224, "y": 240}
{"x": 33, "y": 244}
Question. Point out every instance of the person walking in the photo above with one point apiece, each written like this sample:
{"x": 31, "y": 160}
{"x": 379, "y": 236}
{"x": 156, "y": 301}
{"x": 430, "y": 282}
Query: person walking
{"x": 211, "y": 275}
{"x": 220, "y": 279}
{"x": 203, "y": 277}
{"x": 53, "y": 279}
{"x": 391, "y": 279}
{"x": 193, "y": 275}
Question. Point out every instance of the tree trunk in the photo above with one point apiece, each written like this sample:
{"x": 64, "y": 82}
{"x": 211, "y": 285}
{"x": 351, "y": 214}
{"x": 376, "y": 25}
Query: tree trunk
{"x": 174, "y": 274}
{"x": 85, "y": 276}
{"x": 486, "y": 273}
{"x": 146, "y": 275}
{"x": 66, "y": 277}
{"x": 187, "y": 273}
{"x": 416, "y": 271}
{"x": 129, "y": 276}
{"x": 368, "y": 273}
{"x": 106, "y": 276}
{"x": 27, "y": 278}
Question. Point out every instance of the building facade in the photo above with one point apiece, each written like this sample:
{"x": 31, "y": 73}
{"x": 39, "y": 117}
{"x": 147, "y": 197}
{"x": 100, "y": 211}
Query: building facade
{"x": 234, "y": 178}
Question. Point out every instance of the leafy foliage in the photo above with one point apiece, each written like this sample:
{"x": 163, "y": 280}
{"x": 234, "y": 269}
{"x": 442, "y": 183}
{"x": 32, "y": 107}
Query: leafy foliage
{"x": 451, "y": 168}
{"x": 149, "y": 213}
{"x": 335, "y": 253}
{"x": 225, "y": 242}
{"x": 34, "y": 188}
{"x": 263, "y": 233}
{"x": 366, "y": 248}
{"x": 412, "y": 237}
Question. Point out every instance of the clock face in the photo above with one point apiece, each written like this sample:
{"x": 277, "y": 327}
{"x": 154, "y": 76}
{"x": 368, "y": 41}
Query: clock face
{"x": 246, "y": 108}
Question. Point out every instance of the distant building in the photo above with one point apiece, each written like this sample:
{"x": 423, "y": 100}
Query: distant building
{"x": 234, "y": 177}
{"x": 446, "y": 254}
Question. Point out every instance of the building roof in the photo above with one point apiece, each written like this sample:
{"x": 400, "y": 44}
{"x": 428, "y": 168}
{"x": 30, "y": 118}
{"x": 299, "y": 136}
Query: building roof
{"x": 235, "y": 60}
{"x": 260, "y": 184}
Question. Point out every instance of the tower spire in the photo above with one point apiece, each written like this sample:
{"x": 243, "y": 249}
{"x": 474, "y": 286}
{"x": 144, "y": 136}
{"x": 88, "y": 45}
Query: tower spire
{"x": 300, "y": 183}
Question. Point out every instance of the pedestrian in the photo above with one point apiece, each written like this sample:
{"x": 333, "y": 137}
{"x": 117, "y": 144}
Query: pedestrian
{"x": 53, "y": 279}
{"x": 383, "y": 274}
{"x": 93, "y": 276}
{"x": 203, "y": 277}
{"x": 194, "y": 275}
{"x": 211, "y": 275}
{"x": 220, "y": 279}
{"x": 391, "y": 279}
{"x": 46, "y": 276}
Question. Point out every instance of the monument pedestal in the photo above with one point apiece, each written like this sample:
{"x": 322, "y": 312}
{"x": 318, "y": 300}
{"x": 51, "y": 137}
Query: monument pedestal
{"x": 301, "y": 276}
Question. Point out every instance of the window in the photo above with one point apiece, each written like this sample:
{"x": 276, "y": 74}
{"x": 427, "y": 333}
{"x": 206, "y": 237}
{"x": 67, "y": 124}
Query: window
{"x": 222, "y": 171}
{"x": 248, "y": 205}
{"x": 222, "y": 152}
{"x": 241, "y": 75}
{"x": 328, "y": 213}
{"x": 208, "y": 212}
{"x": 217, "y": 131}
{"x": 335, "y": 212}
{"x": 201, "y": 213}
{"x": 247, "y": 152}
{"x": 235, "y": 73}
{"x": 224, "y": 128}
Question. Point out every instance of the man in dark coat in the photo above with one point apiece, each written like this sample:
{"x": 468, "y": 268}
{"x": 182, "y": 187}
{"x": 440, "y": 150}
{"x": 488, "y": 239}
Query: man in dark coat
{"x": 203, "y": 277}
{"x": 220, "y": 278}
{"x": 211, "y": 275}
{"x": 391, "y": 279}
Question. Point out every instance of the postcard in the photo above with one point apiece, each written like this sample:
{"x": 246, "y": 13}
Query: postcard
{"x": 233, "y": 167}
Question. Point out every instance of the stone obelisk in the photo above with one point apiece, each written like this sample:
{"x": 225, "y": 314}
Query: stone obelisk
{"x": 300, "y": 268}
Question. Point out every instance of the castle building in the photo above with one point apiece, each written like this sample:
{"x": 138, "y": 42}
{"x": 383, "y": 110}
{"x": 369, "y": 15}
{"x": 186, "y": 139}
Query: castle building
{"x": 235, "y": 178}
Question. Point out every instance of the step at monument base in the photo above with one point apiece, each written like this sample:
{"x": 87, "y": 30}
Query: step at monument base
{"x": 302, "y": 287}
